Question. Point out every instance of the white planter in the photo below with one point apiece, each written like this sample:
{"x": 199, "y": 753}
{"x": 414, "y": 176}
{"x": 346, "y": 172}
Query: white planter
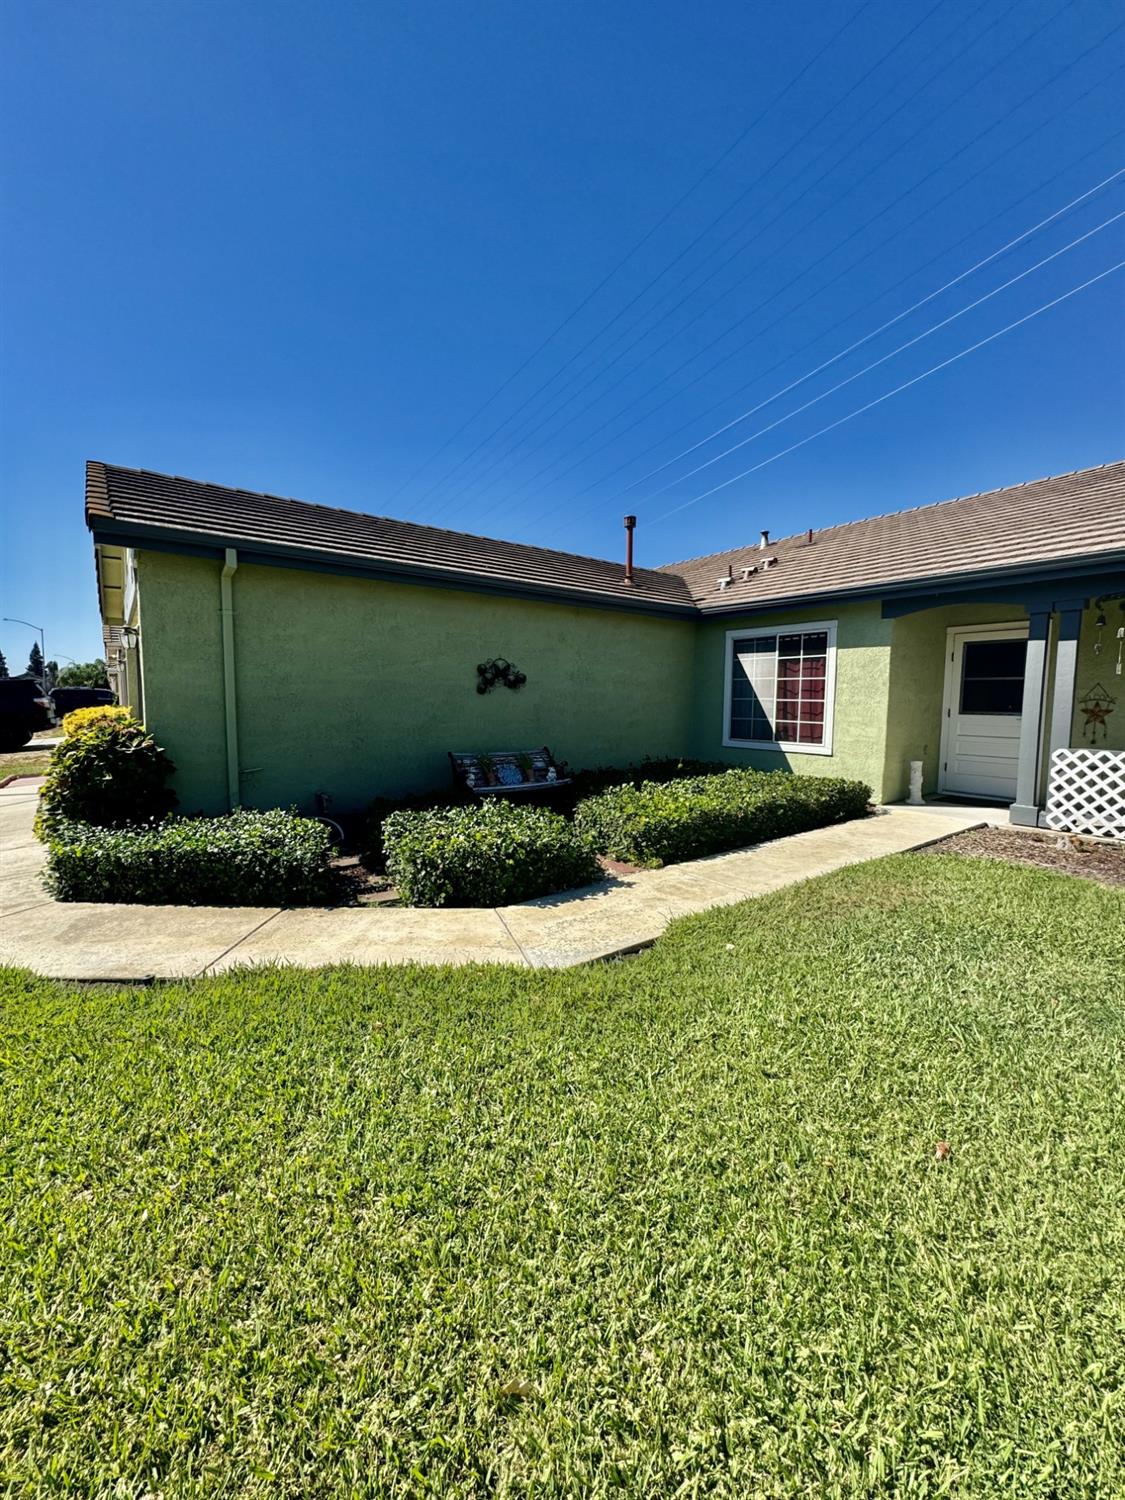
{"x": 915, "y": 798}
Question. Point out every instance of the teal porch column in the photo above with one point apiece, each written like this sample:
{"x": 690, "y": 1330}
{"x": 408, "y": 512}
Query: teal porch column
{"x": 1066, "y": 673}
{"x": 1025, "y": 809}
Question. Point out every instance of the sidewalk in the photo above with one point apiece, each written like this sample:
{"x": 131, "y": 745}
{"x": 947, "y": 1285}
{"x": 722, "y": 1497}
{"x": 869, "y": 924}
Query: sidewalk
{"x": 86, "y": 941}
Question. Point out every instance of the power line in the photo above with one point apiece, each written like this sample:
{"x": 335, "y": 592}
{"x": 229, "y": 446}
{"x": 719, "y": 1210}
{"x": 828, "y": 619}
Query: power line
{"x": 601, "y": 367}
{"x": 933, "y": 370}
{"x": 840, "y": 322}
{"x": 640, "y": 244}
{"x": 882, "y": 360}
{"x": 740, "y": 197}
{"x": 758, "y": 307}
{"x": 526, "y": 484}
{"x": 882, "y": 328}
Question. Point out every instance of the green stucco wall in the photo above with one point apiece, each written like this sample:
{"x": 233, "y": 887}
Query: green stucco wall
{"x": 182, "y": 667}
{"x": 358, "y": 688}
{"x": 863, "y": 640}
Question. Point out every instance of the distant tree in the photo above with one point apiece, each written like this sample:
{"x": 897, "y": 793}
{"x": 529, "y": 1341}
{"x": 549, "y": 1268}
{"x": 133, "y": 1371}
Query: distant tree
{"x": 3, "y": 666}
{"x": 84, "y": 674}
{"x": 35, "y": 661}
{"x": 51, "y": 675}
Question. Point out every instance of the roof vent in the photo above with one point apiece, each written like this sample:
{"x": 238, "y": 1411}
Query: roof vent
{"x": 726, "y": 580}
{"x": 764, "y": 543}
{"x": 630, "y": 523}
{"x": 748, "y": 572}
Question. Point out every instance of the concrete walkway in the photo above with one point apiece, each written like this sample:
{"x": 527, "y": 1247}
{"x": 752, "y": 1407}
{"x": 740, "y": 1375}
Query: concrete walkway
{"x": 86, "y": 941}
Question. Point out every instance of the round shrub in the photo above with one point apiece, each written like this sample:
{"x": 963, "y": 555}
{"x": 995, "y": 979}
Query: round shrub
{"x": 112, "y": 774}
{"x": 82, "y": 718}
{"x": 488, "y": 855}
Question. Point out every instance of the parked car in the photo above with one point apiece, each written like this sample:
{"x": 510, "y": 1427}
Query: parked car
{"x": 24, "y": 710}
{"x": 66, "y": 699}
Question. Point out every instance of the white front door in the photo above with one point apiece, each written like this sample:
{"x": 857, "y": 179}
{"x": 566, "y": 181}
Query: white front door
{"x": 980, "y": 740}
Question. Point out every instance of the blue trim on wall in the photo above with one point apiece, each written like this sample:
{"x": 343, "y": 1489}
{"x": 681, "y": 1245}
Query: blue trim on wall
{"x": 1063, "y": 587}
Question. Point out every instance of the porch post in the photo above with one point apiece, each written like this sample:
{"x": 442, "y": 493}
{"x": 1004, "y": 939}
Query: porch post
{"x": 1025, "y": 809}
{"x": 1066, "y": 673}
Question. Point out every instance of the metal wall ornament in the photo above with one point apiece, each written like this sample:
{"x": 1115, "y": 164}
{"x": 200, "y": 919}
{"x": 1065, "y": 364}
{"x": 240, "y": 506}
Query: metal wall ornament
{"x": 1100, "y": 624}
{"x": 498, "y": 670}
{"x": 1096, "y": 706}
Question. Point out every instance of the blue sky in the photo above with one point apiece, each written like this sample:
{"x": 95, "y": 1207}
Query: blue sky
{"x": 295, "y": 247}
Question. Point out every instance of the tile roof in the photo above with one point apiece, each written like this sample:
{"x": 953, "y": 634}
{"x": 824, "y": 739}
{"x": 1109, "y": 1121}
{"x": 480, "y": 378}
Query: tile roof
{"x": 1068, "y": 517}
{"x": 1078, "y": 516}
{"x": 133, "y": 502}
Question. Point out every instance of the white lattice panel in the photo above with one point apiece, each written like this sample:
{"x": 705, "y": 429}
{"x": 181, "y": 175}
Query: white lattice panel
{"x": 1086, "y": 793}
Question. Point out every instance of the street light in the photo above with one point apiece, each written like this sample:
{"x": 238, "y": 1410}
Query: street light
{"x": 8, "y": 620}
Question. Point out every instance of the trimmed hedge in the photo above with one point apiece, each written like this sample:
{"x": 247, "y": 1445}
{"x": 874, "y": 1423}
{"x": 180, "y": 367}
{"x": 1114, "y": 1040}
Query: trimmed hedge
{"x": 669, "y": 768}
{"x": 562, "y": 799}
{"x": 659, "y": 824}
{"x": 102, "y": 713}
{"x": 369, "y": 833}
{"x": 111, "y": 774}
{"x": 488, "y": 855}
{"x": 243, "y": 859}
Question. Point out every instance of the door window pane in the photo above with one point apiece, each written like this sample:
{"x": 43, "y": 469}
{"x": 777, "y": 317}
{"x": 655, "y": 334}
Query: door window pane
{"x": 992, "y": 677}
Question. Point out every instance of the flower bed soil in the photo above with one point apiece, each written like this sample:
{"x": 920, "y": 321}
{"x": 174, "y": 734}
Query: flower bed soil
{"x": 1069, "y": 854}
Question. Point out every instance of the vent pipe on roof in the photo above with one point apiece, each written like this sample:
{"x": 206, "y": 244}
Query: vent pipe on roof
{"x": 764, "y": 543}
{"x": 630, "y": 523}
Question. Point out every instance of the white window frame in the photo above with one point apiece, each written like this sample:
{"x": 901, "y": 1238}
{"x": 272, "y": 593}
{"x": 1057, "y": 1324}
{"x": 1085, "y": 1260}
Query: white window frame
{"x": 788, "y": 746}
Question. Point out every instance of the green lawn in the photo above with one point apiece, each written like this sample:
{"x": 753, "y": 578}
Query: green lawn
{"x": 668, "y": 1227}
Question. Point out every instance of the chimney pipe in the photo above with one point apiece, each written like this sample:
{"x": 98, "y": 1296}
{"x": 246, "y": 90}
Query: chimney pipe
{"x": 764, "y": 543}
{"x": 630, "y": 522}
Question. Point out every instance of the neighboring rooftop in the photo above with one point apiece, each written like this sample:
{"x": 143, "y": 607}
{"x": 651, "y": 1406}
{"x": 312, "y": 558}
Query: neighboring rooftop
{"x": 1070, "y": 516}
{"x": 136, "y": 503}
{"x": 1078, "y": 516}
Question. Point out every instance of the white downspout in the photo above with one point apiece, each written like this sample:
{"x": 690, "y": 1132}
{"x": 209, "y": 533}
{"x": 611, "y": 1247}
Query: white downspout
{"x": 230, "y": 694}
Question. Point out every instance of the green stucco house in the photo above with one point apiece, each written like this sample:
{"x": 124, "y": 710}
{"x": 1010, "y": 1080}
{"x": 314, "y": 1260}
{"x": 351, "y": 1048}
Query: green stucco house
{"x": 281, "y": 649}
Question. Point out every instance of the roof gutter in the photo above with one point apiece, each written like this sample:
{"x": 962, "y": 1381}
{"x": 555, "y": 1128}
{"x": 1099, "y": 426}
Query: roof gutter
{"x": 141, "y": 535}
{"x": 230, "y": 692}
{"x": 171, "y": 539}
{"x": 971, "y": 583}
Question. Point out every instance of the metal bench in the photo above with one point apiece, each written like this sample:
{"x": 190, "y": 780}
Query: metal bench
{"x": 507, "y": 772}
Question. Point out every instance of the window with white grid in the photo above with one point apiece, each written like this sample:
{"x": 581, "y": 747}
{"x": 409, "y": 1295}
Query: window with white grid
{"x": 780, "y": 688}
